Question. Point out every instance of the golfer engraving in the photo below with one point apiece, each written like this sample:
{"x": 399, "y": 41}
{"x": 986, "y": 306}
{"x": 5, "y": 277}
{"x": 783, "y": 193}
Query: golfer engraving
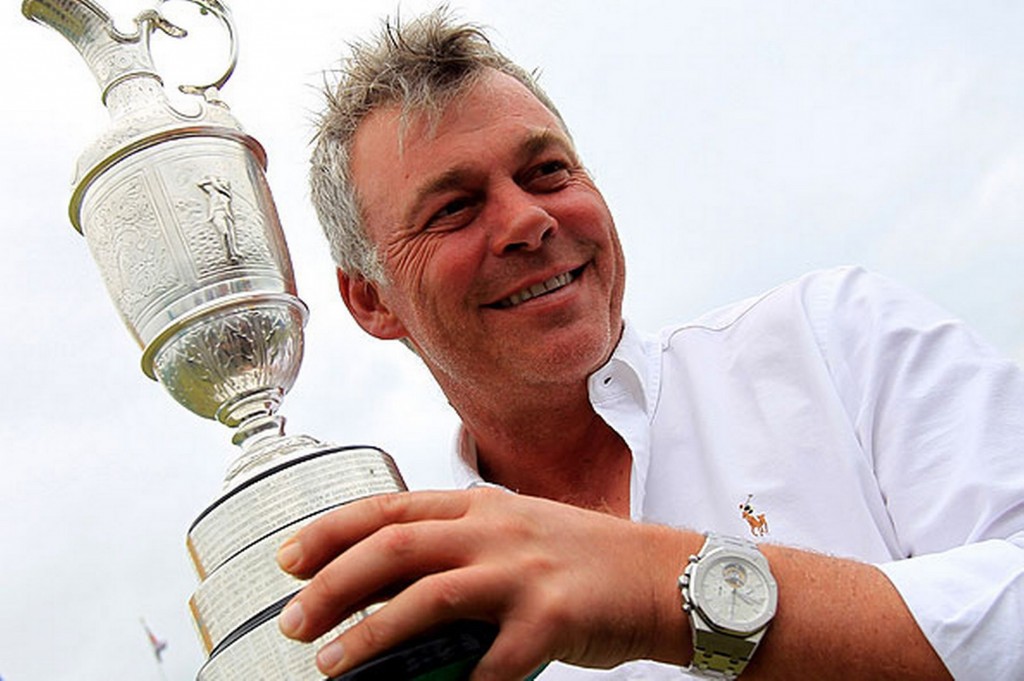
{"x": 221, "y": 215}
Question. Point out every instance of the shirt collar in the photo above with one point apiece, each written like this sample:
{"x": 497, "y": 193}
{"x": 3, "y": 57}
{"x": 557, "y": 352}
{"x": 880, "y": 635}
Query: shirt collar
{"x": 464, "y": 464}
{"x": 630, "y": 374}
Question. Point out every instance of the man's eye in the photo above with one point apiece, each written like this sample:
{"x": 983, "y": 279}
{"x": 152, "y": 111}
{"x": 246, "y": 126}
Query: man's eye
{"x": 452, "y": 214}
{"x": 548, "y": 176}
{"x": 451, "y": 208}
{"x": 552, "y": 168}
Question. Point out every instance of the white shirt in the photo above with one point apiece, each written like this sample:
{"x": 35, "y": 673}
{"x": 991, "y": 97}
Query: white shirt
{"x": 862, "y": 421}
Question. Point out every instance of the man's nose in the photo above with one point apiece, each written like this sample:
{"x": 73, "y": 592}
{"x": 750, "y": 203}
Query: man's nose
{"x": 521, "y": 224}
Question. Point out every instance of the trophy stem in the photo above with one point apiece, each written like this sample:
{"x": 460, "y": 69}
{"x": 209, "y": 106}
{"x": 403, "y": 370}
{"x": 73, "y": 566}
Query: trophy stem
{"x": 255, "y": 416}
{"x": 259, "y": 433}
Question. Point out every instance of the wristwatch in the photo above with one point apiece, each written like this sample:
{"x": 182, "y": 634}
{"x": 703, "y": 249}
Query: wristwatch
{"x": 730, "y": 596}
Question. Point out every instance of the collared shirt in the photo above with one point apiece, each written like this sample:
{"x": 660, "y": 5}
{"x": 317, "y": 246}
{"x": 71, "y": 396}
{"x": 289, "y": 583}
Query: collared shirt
{"x": 848, "y": 416}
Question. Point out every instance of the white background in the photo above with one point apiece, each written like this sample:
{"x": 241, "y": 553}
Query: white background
{"x": 738, "y": 143}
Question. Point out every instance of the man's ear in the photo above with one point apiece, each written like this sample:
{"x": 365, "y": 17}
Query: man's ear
{"x": 362, "y": 298}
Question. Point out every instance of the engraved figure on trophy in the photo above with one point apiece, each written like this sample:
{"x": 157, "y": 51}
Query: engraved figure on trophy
{"x": 179, "y": 218}
{"x": 222, "y": 216}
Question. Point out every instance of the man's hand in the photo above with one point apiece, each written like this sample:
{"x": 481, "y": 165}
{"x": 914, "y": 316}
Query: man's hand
{"x": 560, "y": 582}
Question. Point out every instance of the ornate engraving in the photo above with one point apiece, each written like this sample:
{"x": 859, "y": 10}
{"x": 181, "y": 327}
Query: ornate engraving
{"x": 222, "y": 357}
{"x": 126, "y": 239}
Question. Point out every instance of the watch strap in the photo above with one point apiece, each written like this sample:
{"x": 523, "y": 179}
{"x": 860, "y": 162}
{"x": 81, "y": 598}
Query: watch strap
{"x": 714, "y": 540}
{"x": 720, "y": 656}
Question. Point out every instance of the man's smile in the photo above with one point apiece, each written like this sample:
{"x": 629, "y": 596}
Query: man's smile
{"x": 553, "y": 284}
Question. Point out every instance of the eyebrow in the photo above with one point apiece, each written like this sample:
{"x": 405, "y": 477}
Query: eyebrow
{"x": 534, "y": 144}
{"x": 540, "y": 141}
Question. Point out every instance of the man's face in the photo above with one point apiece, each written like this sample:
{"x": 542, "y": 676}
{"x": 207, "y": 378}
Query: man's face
{"x": 503, "y": 264}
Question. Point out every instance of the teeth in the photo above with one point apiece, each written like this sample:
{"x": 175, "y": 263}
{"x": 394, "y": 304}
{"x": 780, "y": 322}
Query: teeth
{"x": 552, "y": 284}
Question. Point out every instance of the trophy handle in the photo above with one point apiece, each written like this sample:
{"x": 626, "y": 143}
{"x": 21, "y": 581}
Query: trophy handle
{"x": 115, "y": 56}
{"x": 112, "y": 55}
{"x": 209, "y": 91}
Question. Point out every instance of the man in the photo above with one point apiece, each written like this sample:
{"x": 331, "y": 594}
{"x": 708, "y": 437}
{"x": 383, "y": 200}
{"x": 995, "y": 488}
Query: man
{"x": 837, "y": 413}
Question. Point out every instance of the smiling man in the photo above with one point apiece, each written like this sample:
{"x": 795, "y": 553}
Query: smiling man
{"x": 503, "y": 270}
{"x": 465, "y": 225}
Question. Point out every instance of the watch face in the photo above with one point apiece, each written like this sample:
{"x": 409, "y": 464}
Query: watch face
{"x": 735, "y": 595}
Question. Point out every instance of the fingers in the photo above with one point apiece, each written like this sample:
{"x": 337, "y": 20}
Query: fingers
{"x": 372, "y": 570}
{"x": 313, "y": 546}
{"x": 473, "y": 593}
{"x": 561, "y": 582}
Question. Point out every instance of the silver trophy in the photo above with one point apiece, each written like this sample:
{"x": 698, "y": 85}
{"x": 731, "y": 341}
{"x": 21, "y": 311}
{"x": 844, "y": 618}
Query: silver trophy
{"x": 178, "y": 215}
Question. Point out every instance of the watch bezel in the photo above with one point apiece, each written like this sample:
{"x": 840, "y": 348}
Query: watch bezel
{"x": 699, "y": 571}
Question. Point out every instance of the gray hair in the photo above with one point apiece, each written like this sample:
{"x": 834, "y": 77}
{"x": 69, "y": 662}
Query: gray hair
{"x": 421, "y": 66}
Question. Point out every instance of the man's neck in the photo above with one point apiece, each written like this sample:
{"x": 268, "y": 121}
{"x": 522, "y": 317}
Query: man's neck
{"x": 563, "y": 451}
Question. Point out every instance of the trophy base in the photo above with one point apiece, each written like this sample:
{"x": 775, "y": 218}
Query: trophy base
{"x": 446, "y": 654}
{"x": 232, "y": 545}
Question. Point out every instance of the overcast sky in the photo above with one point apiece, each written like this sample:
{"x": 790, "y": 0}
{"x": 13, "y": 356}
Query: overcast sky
{"x": 739, "y": 145}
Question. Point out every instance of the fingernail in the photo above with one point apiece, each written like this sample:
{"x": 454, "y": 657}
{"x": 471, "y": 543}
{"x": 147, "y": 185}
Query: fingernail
{"x": 289, "y": 555}
{"x": 290, "y": 621}
{"x": 330, "y": 656}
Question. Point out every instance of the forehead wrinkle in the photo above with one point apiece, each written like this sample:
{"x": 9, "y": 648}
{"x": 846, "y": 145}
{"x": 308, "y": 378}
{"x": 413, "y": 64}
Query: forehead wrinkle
{"x": 534, "y": 144}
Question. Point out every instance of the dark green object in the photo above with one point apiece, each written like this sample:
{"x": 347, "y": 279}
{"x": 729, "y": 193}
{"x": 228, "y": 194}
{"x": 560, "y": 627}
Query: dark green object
{"x": 446, "y": 654}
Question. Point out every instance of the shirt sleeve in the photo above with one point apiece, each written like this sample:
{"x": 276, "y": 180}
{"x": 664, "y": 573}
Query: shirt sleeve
{"x": 941, "y": 416}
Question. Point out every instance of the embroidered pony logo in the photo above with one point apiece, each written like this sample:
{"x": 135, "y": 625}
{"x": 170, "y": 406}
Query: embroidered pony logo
{"x": 757, "y": 521}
